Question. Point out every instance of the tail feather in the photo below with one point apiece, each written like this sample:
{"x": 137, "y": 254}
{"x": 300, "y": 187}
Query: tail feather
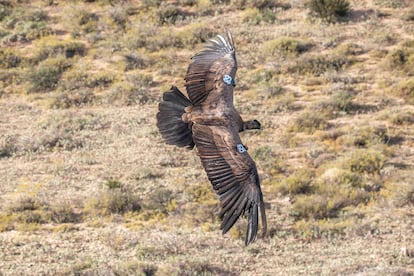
{"x": 253, "y": 224}
{"x": 173, "y": 130}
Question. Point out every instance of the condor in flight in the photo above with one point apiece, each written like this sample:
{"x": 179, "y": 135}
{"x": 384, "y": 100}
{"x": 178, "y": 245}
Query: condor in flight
{"x": 209, "y": 121}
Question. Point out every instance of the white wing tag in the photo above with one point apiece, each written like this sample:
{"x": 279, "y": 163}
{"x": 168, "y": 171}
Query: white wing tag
{"x": 241, "y": 148}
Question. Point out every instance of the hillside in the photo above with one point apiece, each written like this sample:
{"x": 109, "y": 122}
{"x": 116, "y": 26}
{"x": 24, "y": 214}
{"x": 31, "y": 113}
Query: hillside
{"x": 87, "y": 186}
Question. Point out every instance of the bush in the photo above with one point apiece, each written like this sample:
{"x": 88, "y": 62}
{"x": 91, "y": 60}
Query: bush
{"x": 308, "y": 122}
{"x": 340, "y": 101}
{"x": 364, "y": 136}
{"x": 401, "y": 59}
{"x": 135, "y": 61}
{"x": 332, "y": 192}
{"x": 113, "y": 201}
{"x": 47, "y": 74}
{"x": 298, "y": 183}
{"x": 63, "y": 213}
{"x": 314, "y": 207}
{"x": 367, "y": 161}
{"x": 401, "y": 117}
{"x": 285, "y": 46}
{"x": 254, "y": 16}
{"x": 405, "y": 90}
{"x": 317, "y": 65}
{"x": 328, "y": 10}
{"x": 52, "y": 48}
{"x": 191, "y": 35}
{"x": 9, "y": 59}
{"x": 24, "y": 203}
{"x": 72, "y": 99}
{"x": 25, "y": 24}
{"x": 390, "y": 3}
{"x": 170, "y": 14}
{"x": 7, "y": 147}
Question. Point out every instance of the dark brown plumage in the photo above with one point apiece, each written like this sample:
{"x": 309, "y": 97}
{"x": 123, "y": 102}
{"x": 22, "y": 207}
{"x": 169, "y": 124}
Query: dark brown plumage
{"x": 209, "y": 121}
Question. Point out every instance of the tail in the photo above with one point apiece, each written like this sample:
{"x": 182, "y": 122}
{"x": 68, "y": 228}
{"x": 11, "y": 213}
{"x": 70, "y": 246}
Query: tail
{"x": 169, "y": 122}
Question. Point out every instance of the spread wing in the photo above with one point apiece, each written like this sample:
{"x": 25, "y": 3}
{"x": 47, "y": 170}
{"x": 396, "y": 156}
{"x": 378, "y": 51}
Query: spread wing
{"x": 208, "y": 68}
{"x": 233, "y": 175}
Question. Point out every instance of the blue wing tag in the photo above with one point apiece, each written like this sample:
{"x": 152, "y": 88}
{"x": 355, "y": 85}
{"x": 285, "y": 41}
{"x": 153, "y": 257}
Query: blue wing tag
{"x": 241, "y": 148}
{"x": 228, "y": 80}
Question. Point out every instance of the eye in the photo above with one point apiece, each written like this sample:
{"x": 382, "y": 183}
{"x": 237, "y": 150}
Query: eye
{"x": 241, "y": 148}
{"x": 228, "y": 80}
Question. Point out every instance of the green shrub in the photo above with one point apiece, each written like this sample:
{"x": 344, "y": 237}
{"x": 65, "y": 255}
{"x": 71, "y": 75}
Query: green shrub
{"x": 170, "y": 14}
{"x": 314, "y": 207}
{"x": 328, "y": 10}
{"x": 340, "y": 101}
{"x": 401, "y": 117}
{"x": 370, "y": 136}
{"x": 113, "y": 183}
{"x": 405, "y": 195}
{"x": 79, "y": 20}
{"x": 351, "y": 49}
{"x": 124, "y": 93}
{"x": 390, "y": 3}
{"x": 285, "y": 46}
{"x": 48, "y": 47}
{"x": 47, "y": 74}
{"x": 113, "y": 201}
{"x": 6, "y": 8}
{"x": 405, "y": 90}
{"x": 7, "y": 146}
{"x": 119, "y": 15}
{"x": 100, "y": 80}
{"x": 72, "y": 99}
{"x": 401, "y": 59}
{"x": 317, "y": 65}
{"x": 254, "y": 16}
{"x": 191, "y": 35}
{"x": 332, "y": 192}
{"x": 24, "y": 203}
{"x": 258, "y": 4}
{"x": 298, "y": 183}
{"x": 9, "y": 59}
{"x": 63, "y": 213}
{"x": 28, "y": 31}
{"x": 367, "y": 161}
{"x": 133, "y": 90}
{"x": 25, "y": 24}
{"x": 135, "y": 61}
{"x": 308, "y": 122}
{"x": 333, "y": 178}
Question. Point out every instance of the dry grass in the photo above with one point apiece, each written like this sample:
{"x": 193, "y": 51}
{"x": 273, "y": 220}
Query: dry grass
{"x": 88, "y": 187}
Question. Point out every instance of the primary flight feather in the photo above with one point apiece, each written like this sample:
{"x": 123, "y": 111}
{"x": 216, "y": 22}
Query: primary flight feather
{"x": 208, "y": 120}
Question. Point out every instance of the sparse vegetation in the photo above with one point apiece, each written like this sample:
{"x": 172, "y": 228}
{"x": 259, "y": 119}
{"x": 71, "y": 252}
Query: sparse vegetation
{"x": 114, "y": 200}
{"x": 285, "y": 46}
{"x": 255, "y": 16}
{"x": 318, "y": 64}
{"x": 88, "y": 187}
{"x": 308, "y": 122}
{"x": 46, "y": 75}
{"x": 328, "y": 10}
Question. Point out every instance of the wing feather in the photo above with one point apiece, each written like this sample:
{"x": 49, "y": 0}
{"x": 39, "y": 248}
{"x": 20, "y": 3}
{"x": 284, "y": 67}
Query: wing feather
{"x": 209, "y": 66}
{"x": 233, "y": 176}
